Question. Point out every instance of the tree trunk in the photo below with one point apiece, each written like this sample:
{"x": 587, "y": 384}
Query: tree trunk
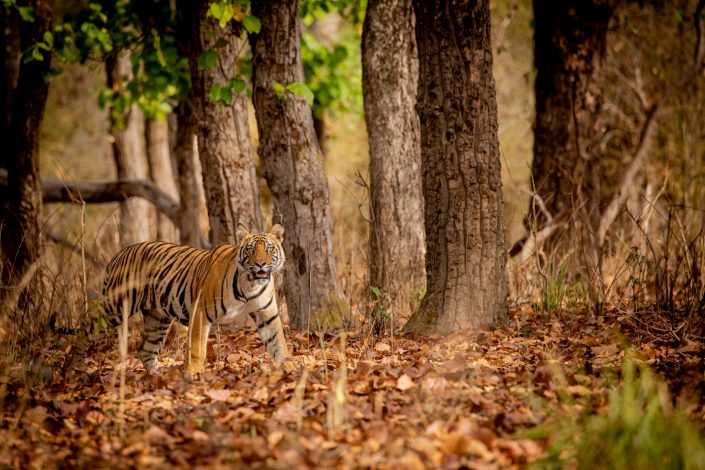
{"x": 229, "y": 180}
{"x": 20, "y": 222}
{"x": 465, "y": 254}
{"x": 10, "y": 61}
{"x": 162, "y": 173}
{"x": 127, "y": 137}
{"x": 293, "y": 170}
{"x": 569, "y": 41}
{"x": 389, "y": 81}
{"x": 193, "y": 200}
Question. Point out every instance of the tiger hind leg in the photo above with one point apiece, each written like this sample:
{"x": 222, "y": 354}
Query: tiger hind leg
{"x": 156, "y": 325}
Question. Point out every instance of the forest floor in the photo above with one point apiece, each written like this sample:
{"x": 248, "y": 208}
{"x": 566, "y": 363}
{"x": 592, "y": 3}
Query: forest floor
{"x": 401, "y": 402}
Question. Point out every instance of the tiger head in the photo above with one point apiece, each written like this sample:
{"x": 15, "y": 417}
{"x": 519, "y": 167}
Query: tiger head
{"x": 260, "y": 254}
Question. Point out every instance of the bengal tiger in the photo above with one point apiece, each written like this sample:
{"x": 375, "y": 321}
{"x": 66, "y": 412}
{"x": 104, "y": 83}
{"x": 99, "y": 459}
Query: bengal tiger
{"x": 198, "y": 288}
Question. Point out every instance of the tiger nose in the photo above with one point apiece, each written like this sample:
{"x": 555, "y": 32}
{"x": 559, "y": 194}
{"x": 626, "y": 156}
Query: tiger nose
{"x": 260, "y": 265}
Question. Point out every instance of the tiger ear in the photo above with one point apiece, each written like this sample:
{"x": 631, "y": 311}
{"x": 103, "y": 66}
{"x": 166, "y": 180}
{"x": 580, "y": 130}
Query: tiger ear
{"x": 278, "y": 232}
{"x": 241, "y": 233}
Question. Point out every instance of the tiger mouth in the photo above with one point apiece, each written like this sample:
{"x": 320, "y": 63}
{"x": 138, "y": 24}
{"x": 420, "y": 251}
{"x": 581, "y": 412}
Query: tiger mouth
{"x": 261, "y": 274}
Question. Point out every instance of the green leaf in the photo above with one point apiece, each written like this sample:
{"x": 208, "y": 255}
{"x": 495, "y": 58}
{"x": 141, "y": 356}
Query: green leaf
{"x": 208, "y": 60}
{"x": 215, "y": 93}
{"x": 375, "y": 290}
{"x": 26, "y": 13}
{"x": 37, "y": 55}
{"x": 48, "y": 38}
{"x": 252, "y": 24}
{"x": 237, "y": 85}
{"x": 301, "y": 89}
{"x": 226, "y": 95}
{"x": 278, "y": 89}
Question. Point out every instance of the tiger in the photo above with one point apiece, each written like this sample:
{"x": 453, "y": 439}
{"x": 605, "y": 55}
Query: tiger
{"x": 198, "y": 288}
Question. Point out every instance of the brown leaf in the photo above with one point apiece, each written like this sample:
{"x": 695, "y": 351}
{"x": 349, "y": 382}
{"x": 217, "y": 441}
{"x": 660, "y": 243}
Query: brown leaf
{"x": 156, "y": 434}
{"x": 404, "y": 383}
{"x": 219, "y": 394}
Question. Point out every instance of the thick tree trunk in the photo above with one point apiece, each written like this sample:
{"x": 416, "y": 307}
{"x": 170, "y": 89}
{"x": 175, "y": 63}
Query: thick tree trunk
{"x": 292, "y": 167}
{"x": 465, "y": 254}
{"x": 389, "y": 81}
{"x": 193, "y": 200}
{"x": 162, "y": 173}
{"x": 20, "y": 225}
{"x": 229, "y": 180}
{"x": 570, "y": 38}
{"x": 136, "y": 219}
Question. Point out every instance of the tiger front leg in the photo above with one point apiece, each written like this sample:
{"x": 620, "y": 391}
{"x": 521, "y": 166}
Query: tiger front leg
{"x": 271, "y": 332}
{"x": 199, "y": 329}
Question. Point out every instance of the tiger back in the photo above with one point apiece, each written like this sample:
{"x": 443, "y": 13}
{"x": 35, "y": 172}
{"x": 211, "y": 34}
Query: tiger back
{"x": 198, "y": 288}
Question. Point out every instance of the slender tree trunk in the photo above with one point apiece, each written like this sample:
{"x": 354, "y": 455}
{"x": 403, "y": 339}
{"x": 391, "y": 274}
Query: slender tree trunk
{"x": 229, "y": 180}
{"x": 293, "y": 170}
{"x": 127, "y": 137}
{"x": 193, "y": 200}
{"x": 161, "y": 171}
{"x": 570, "y": 38}
{"x": 465, "y": 254}
{"x": 20, "y": 225}
{"x": 10, "y": 62}
{"x": 389, "y": 81}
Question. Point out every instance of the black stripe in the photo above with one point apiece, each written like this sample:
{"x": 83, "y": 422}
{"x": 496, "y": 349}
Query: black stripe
{"x": 258, "y": 293}
{"x": 268, "y": 322}
{"x": 267, "y": 304}
{"x": 236, "y": 289}
{"x": 270, "y": 339}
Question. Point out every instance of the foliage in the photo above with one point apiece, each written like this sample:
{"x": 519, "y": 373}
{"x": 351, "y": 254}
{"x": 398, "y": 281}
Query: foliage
{"x": 640, "y": 429}
{"x": 333, "y": 74}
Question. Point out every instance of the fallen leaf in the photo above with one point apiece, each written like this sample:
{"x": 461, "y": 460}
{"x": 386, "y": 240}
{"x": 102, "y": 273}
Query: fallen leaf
{"x": 404, "y": 383}
{"x": 219, "y": 394}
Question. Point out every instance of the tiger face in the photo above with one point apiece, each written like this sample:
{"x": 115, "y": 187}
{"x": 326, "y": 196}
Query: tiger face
{"x": 262, "y": 254}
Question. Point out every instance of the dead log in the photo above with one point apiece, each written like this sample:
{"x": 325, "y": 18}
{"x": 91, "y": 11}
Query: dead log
{"x": 92, "y": 192}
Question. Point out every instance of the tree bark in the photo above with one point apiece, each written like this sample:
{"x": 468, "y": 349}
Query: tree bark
{"x": 127, "y": 136}
{"x": 292, "y": 167}
{"x": 389, "y": 81}
{"x": 229, "y": 180}
{"x": 569, "y": 40}
{"x": 20, "y": 221}
{"x": 191, "y": 193}
{"x": 465, "y": 254}
{"x": 10, "y": 61}
{"x": 162, "y": 173}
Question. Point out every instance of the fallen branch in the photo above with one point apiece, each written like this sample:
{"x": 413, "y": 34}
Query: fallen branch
{"x": 101, "y": 192}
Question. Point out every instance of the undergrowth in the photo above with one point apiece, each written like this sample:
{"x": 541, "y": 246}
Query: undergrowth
{"x": 638, "y": 428}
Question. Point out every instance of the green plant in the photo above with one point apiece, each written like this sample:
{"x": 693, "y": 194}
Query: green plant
{"x": 639, "y": 429}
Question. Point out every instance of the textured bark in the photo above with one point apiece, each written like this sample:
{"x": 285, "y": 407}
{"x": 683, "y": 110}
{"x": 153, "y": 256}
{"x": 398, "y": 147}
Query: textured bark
{"x": 293, "y": 170}
{"x": 136, "y": 219}
{"x": 570, "y": 39}
{"x": 389, "y": 81}
{"x": 193, "y": 200}
{"x": 225, "y": 152}
{"x": 20, "y": 221}
{"x": 465, "y": 254}
{"x": 162, "y": 172}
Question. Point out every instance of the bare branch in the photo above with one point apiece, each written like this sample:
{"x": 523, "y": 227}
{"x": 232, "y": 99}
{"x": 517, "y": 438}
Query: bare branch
{"x": 110, "y": 191}
{"x": 648, "y": 129}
